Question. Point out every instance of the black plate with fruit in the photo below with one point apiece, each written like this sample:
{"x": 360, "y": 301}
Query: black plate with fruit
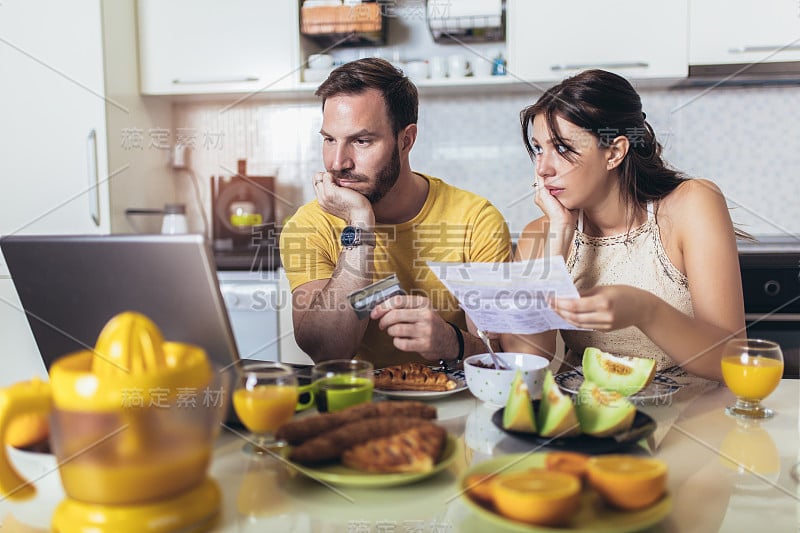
{"x": 643, "y": 426}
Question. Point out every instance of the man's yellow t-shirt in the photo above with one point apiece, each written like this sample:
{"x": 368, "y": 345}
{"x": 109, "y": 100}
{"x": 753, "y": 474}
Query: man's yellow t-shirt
{"x": 453, "y": 225}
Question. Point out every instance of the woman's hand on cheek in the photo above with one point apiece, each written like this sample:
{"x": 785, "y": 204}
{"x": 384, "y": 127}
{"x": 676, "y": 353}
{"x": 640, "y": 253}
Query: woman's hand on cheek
{"x": 553, "y": 209}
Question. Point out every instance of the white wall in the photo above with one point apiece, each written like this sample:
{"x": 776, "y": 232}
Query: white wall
{"x": 745, "y": 139}
{"x": 140, "y": 172}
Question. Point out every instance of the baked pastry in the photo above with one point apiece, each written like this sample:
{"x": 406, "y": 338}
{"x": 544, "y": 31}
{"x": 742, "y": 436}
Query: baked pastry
{"x": 330, "y": 445}
{"x": 414, "y": 450}
{"x": 297, "y": 431}
{"x": 413, "y": 376}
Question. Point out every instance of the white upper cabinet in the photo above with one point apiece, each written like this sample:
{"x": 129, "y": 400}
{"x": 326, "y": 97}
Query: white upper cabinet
{"x": 208, "y": 46}
{"x": 54, "y": 169}
{"x": 639, "y": 39}
{"x": 743, "y": 31}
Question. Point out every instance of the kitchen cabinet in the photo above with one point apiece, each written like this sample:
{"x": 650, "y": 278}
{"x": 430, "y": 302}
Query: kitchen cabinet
{"x": 743, "y": 31}
{"x": 206, "y": 46}
{"x": 53, "y": 172}
{"x": 548, "y": 41}
{"x": 54, "y": 165}
{"x": 260, "y": 311}
{"x": 252, "y": 302}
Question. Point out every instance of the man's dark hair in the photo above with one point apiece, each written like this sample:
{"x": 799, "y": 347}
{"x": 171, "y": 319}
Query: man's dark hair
{"x": 399, "y": 93}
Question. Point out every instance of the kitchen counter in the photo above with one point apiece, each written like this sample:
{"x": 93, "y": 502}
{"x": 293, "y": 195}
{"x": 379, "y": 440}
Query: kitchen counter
{"x": 694, "y": 438}
{"x": 769, "y": 244}
{"x": 267, "y": 261}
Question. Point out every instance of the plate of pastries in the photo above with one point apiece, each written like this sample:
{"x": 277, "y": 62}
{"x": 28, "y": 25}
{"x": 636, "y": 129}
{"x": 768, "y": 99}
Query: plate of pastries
{"x": 418, "y": 381}
{"x": 376, "y": 444}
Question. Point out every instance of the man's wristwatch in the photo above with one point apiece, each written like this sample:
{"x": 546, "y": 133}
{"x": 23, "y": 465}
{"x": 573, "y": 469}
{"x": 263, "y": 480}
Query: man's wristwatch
{"x": 353, "y": 236}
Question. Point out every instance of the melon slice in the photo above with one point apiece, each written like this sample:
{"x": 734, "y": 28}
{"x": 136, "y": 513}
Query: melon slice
{"x": 518, "y": 414}
{"x": 602, "y": 413}
{"x": 625, "y": 375}
{"x": 556, "y": 411}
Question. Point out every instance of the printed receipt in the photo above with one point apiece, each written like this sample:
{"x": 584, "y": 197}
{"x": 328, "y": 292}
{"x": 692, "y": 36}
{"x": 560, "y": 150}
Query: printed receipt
{"x": 509, "y": 297}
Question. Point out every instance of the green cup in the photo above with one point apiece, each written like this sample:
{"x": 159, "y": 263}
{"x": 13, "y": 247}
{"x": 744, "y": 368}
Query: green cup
{"x": 340, "y": 383}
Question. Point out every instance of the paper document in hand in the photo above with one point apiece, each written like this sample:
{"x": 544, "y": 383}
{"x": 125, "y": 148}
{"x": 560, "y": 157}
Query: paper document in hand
{"x": 510, "y": 297}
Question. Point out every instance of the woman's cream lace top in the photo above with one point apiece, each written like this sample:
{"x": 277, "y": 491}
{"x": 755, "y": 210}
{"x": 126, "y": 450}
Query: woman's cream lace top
{"x": 636, "y": 258}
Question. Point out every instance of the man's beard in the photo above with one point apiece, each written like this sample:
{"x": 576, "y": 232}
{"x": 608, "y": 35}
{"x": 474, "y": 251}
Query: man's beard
{"x": 384, "y": 181}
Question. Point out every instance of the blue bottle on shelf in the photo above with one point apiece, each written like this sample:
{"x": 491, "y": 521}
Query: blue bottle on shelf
{"x": 499, "y": 65}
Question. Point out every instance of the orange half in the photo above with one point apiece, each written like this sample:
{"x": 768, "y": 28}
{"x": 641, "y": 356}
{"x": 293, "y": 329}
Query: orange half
{"x": 537, "y": 496}
{"x": 627, "y": 481}
{"x": 570, "y": 462}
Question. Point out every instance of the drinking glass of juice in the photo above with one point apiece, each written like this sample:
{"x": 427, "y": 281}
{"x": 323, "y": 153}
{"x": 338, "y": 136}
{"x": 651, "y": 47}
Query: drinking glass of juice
{"x": 751, "y": 368}
{"x": 265, "y": 397}
{"x": 340, "y": 383}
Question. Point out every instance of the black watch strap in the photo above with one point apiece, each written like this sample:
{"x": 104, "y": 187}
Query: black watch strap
{"x": 455, "y": 363}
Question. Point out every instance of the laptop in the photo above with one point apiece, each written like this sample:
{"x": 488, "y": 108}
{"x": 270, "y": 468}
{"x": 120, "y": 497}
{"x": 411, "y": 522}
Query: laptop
{"x": 71, "y": 285}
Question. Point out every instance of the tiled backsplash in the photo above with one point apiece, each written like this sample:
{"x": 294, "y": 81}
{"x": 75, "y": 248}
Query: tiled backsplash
{"x": 747, "y": 140}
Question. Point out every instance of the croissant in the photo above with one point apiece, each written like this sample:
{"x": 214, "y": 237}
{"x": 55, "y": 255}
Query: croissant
{"x": 414, "y": 450}
{"x": 330, "y": 445}
{"x": 414, "y": 377}
{"x": 297, "y": 431}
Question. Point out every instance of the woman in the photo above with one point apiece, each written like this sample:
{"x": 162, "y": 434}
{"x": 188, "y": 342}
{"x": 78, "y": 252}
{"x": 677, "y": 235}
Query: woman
{"x": 652, "y": 252}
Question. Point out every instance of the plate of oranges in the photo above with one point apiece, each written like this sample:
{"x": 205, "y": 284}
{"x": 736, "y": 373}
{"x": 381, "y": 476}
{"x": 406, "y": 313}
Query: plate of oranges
{"x": 568, "y": 492}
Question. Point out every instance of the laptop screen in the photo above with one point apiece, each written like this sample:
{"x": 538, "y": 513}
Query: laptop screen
{"x": 70, "y": 286}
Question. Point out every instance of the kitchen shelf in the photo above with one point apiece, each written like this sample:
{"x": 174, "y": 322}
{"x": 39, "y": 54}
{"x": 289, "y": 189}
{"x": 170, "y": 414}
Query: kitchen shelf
{"x": 470, "y": 29}
{"x": 466, "y": 85}
{"x": 304, "y": 91}
{"x": 493, "y": 85}
{"x": 356, "y": 25}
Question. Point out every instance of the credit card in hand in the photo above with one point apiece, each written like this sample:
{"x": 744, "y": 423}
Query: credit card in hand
{"x": 363, "y": 301}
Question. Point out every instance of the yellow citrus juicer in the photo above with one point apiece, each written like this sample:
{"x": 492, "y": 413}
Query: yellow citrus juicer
{"x": 132, "y": 425}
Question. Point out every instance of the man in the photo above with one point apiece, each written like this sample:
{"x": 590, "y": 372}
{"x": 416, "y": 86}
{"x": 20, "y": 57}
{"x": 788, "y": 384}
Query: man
{"x": 373, "y": 217}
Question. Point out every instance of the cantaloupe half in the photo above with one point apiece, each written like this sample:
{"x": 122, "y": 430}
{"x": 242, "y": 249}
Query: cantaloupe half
{"x": 518, "y": 414}
{"x": 557, "y": 416}
{"x": 602, "y": 413}
{"x": 625, "y": 375}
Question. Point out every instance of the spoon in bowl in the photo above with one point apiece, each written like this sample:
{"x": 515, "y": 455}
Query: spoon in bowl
{"x": 498, "y": 362}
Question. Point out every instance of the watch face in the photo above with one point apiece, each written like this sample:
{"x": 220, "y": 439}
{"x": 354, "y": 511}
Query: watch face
{"x": 349, "y": 236}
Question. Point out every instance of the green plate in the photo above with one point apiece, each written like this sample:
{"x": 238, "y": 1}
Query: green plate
{"x": 594, "y": 515}
{"x": 338, "y": 474}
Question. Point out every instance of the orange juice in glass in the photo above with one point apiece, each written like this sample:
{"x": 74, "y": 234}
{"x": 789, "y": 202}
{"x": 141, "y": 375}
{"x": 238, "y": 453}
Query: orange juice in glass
{"x": 265, "y": 408}
{"x": 265, "y": 398}
{"x": 752, "y": 369}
